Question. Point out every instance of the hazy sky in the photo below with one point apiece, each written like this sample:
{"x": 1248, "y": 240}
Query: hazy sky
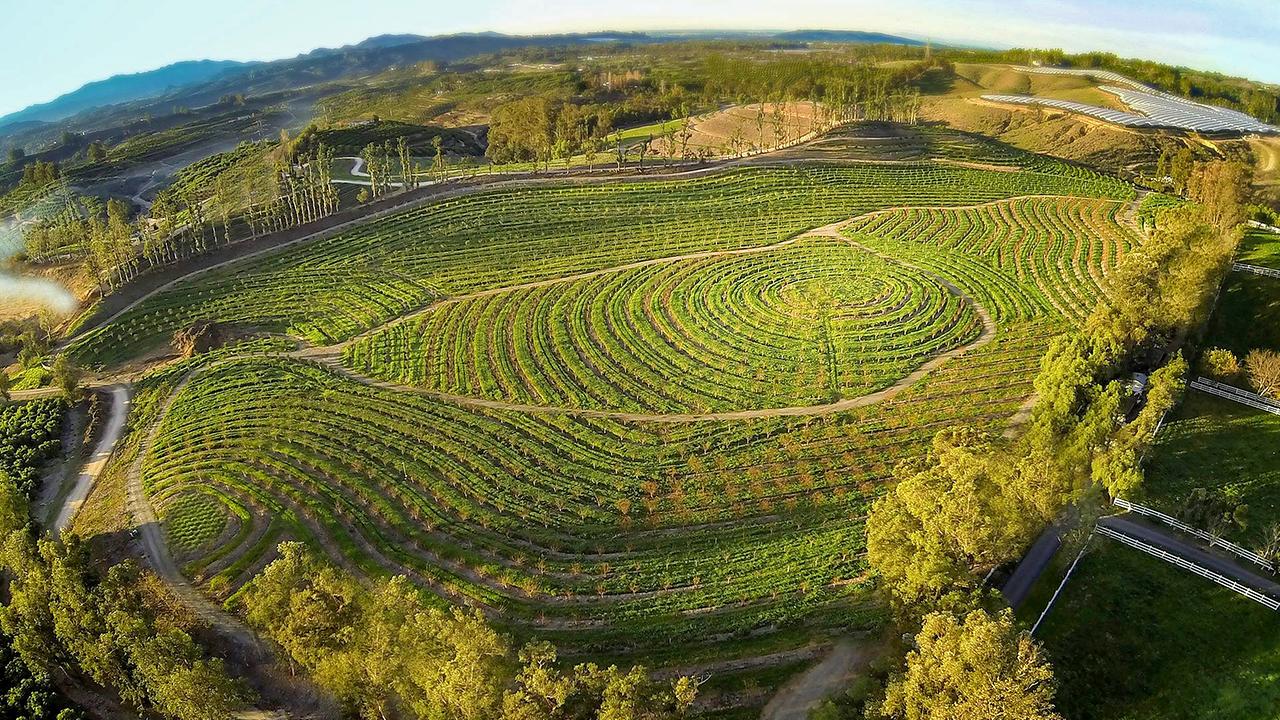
{"x": 54, "y": 46}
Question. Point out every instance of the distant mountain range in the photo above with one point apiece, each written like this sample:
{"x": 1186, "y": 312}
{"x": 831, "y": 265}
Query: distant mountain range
{"x": 196, "y": 82}
{"x": 124, "y": 88}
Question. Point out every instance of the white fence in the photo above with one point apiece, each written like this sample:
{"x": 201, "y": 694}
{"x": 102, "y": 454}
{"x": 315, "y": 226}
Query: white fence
{"x": 1213, "y": 540}
{"x": 1256, "y": 269}
{"x": 1226, "y": 582}
{"x": 1230, "y": 392}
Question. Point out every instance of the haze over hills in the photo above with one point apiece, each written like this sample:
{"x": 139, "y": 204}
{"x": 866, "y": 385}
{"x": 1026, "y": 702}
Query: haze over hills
{"x": 124, "y": 88}
{"x": 197, "y": 82}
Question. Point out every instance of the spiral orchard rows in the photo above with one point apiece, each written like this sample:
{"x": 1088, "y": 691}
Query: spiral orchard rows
{"x": 700, "y": 333}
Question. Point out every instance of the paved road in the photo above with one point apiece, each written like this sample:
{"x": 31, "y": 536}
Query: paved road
{"x": 93, "y": 468}
{"x": 1032, "y": 565}
{"x": 1186, "y": 549}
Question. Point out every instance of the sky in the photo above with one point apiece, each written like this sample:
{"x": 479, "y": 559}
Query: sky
{"x": 54, "y": 46}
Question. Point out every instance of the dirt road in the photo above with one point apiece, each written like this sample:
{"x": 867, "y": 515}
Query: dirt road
{"x": 156, "y": 549}
{"x": 97, "y": 461}
{"x": 802, "y": 694}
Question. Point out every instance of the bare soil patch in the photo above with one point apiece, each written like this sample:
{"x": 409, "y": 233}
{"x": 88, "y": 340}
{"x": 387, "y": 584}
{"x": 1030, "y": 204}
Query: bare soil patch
{"x": 742, "y": 128}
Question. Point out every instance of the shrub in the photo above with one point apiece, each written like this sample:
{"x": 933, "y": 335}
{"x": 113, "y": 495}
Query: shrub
{"x": 1219, "y": 364}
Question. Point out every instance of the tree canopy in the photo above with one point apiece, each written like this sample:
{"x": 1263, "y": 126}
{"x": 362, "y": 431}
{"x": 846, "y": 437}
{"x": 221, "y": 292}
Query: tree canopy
{"x": 981, "y": 666}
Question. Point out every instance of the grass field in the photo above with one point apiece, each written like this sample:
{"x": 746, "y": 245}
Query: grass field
{"x": 1224, "y": 447}
{"x": 1132, "y": 638}
{"x": 1248, "y": 312}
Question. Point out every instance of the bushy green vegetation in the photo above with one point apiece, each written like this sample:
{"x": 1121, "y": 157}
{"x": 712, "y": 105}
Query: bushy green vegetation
{"x": 384, "y": 652}
{"x": 29, "y": 694}
{"x": 112, "y": 628}
{"x": 30, "y": 434}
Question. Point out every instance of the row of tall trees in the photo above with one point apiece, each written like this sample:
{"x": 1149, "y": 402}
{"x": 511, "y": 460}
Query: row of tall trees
{"x": 384, "y": 652}
{"x": 392, "y": 165}
{"x": 273, "y": 192}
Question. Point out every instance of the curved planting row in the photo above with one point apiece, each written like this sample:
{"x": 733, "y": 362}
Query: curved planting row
{"x": 331, "y": 289}
{"x": 568, "y": 522}
{"x": 802, "y": 324}
{"x": 1023, "y": 258}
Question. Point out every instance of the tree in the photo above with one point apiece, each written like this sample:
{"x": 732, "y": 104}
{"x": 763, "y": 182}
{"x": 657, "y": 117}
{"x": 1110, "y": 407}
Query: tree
{"x": 66, "y": 377}
{"x": 1219, "y": 364}
{"x": 1219, "y": 188}
{"x": 978, "y": 667}
{"x": 1116, "y": 464}
{"x": 5, "y": 385}
{"x": 951, "y": 516}
{"x": 543, "y": 692}
{"x": 437, "y": 163}
{"x": 61, "y": 614}
{"x": 522, "y": 131}
{"x": 1263, "y": 367}
{"x": 1270, "y": 547}
{"x": 16, "y": 155}
{"x": 384, "y": 652}
{"x": 408, "y": 179}
{"x": 1180, "y": 167}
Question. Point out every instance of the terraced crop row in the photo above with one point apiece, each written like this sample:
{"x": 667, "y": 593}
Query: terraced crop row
{"x": 666, "y": 296}
{"x": 565, "y": 522}
{"x": 1023, "y": 259}
{"x": 332, "y": 289}
{"x": 801, "y": 324}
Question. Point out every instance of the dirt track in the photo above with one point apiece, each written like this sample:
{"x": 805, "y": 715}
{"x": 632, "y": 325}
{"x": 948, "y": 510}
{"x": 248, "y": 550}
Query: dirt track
{"x": 93, "y": 468}
{"x": 802, "y": 694}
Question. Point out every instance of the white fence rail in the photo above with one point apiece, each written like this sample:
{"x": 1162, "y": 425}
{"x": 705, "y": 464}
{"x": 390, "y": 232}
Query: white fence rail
{"x": 1264, "y": 226}
{"x": 1230, "y": 392}
{"x": 1256, "y": 269}
{"x": 1213, "y": 540}
{"x": 1226, "y": 582}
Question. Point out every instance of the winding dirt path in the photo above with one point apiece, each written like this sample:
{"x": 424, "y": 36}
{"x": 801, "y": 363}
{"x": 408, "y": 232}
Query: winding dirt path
{"x": 156, "y": 548}
{"x": 96, "y": 462}
{"x": 796, "y": 699}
